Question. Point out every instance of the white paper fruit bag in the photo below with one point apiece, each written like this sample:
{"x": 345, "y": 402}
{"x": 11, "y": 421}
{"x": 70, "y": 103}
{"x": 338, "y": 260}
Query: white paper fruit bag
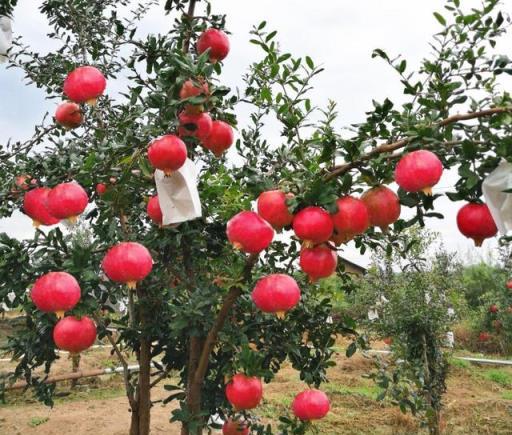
{"x": 5, "y": 37}
{"x": 498, "y": 201}
{"x": 178, "y": 195}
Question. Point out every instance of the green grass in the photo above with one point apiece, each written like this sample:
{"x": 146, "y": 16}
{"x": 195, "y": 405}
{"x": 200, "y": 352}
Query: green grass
{"x": 459, "y": 363}
{"x": 500, "y": 377}
{"x": 37, "y": 421}
{"x": 507, "y": 395}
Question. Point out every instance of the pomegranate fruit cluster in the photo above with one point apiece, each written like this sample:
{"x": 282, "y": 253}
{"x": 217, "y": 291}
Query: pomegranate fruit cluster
{"x": 49, "y": 206}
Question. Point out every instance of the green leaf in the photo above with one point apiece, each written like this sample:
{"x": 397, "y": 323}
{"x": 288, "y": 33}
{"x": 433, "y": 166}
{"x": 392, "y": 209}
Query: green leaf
{"x": 440, "y": 18}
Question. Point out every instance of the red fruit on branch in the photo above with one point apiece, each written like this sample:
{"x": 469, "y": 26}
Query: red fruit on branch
{"x": 101, "y": 188}
{"x": 313, "y": 225}
{"x": 276, "y": 293}
{"x": 35, "y": 205}
{"x": 221, "y": 137}
{"x": 74, "y": 335}
{"x": 235, "y": 427}
{"x": 21, "y": 181}
{"x": 198, "y": 125}
{"x": 388, "y": 341}
{"x": 244, "y": 392}
{"x": 318, "y": 262}
{"x": 418, "y": 171}
{"x": 509, "y": 284}
{"x": 190, "y": 89}
{"x": 484, "y": 336}
{"x": 154, "y": 211}
{"x": 493, "y": 309}
{"x": 216, "y": 41}
{"x": 249, "y": 232}
{"x": 383, "y": 206}
{"x": 55, "y": 292}
{"x": 67, "y": 201}
{"x": 273, "y": 208}
{"x": 167, "y": 153}
{"x": 351, "y": 219}
{"x": 127, "y": 263}
{"x": 475, "y": 222}
{"x": 85, "y": 84}
{"x": 311, "y": 405}
{"x": 69, "y": 115}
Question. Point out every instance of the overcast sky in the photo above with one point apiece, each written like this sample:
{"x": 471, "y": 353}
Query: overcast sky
{"x": 339, "y": 35}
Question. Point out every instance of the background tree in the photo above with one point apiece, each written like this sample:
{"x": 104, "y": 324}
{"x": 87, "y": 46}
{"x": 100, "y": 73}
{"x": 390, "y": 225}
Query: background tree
{"x": 193, "y": 314}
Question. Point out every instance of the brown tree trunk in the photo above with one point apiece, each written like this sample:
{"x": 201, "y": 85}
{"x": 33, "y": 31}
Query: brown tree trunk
{"x": 193, "y": 390}
{"x": 75, "y": 359}
{"x": 144, "y": 389}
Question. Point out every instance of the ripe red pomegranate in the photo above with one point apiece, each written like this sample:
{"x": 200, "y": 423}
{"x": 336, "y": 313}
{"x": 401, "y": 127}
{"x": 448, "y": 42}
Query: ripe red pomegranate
{"x": 272, "y": 207}
{"x": 167, "y": 153}
{"x": 351, "y": 219}
{"x": 216, "y": 41}
{"x": 383, "y": 206}
{"x": 235, "y": 427}
{"x": 73, "y": 334}
{"x": 484, "y": 336}
{"x": 69, "y": 115}
{"x": 418, "y": 171}
{"x": 221, "y": 137}
{"x": 249, "y": 232}
{"x": 35, "y": 205}
{"x": 101, "y": 188}
{"x": 198, "y": 125}
{"x": 318, "y": 262}
{"x": 154, "y": 211}
{"x": 313, "y": 225}
{"x": 475, "y": 222}
{"x": 67, "y": 201}
{"x": 55, "y": 292}
{"x": 493, "y": 309}
{"x": 509, "y": 284}
{"x": 21, "y": 181}
{"x": 189, "y": 90}
{"x": 388, "y": 341}
{"x": 244, "y": 392}
{"x": 128, "y": 263}
{"x": 276, "y": 293}
{"x": 85, "y": 84}
{"x": 311, "y": 405}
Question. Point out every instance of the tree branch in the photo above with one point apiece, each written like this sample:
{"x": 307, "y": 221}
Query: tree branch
{"x": 212, "y": 336}
{"x": 190, "y": 16}
{"x": 389, "y": 147}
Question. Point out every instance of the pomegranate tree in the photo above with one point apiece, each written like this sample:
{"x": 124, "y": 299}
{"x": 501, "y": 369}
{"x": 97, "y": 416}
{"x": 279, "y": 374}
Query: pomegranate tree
{"x": 273, "y": 208}
{"x": 476, "y": 222}
{"x": 311, "y": 405}
{"x": 127, "y": 263}
{"x": 318, "y": 262}
{"x": 276, "y": 293}
{"x": 74, "y": 334}
{"x": 69, "y": 115}
{"x": 84, "y": 85}
{"x": 167, "y": 153}
{"x": 244, "y": 392}
{"x": 383, "y": 206}
{"x": 419, "y": 171}
{"x": 249, "y": 232}
{"x": 55, "y": 292}
{"x": 67, "y": 201}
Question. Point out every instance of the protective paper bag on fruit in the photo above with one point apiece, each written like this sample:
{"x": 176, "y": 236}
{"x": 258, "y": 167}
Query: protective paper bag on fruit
{"x": 178, "y": 195}
{"x": 498, "y": 201}
{"x": 5, "y": 37}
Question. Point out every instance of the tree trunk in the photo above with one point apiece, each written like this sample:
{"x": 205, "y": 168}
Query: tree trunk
{"x": 193, "y": 389}
{"x": 141, "y": 412}
{"x": 75, "y": 359}
{"x": 433, "y": 419}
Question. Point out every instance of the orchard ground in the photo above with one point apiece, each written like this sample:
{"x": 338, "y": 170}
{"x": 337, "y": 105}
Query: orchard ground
{"x": 479, "y": 400}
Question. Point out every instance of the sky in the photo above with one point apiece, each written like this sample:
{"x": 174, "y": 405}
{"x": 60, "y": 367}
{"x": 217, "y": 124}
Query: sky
{"x": 338, "y": 35}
